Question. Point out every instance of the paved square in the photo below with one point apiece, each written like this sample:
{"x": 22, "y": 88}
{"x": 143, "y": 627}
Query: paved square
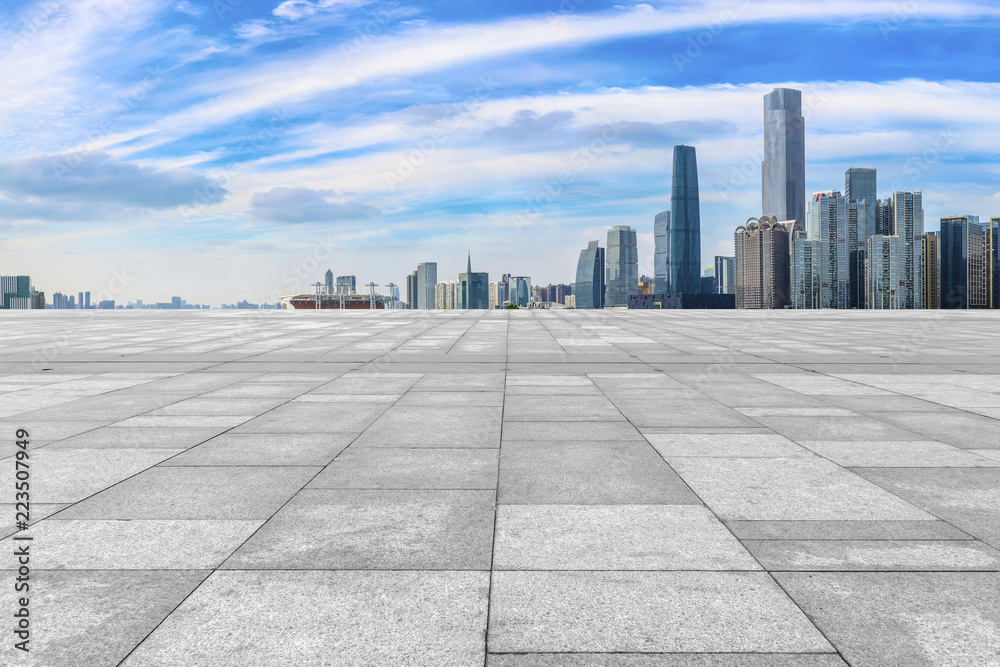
{"x": 535, "y": 488}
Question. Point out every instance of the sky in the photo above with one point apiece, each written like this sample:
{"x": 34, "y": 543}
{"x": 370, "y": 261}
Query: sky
{"x": 221, "y": 150}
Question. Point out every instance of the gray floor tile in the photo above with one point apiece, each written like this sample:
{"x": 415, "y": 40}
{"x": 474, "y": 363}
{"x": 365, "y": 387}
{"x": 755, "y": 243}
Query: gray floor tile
{"x": 434, "y": 427}
{"x": 265, "y": 449}
{"x": 196, "y": 493}
{"x": 919, "y": 619}
{"x": 365, "y": 619}
{"x": 651, "y": 612}
{"x": 897, "y": 454}
{"x": 664, "y": 660}
{"x": 886, "y": 555}
{"x": 615, "y": 537}
{"x": 298, "y": 417}
{"x": 846, "y": 530}
{"x": 726, "y": 445}
{"x": 561, "y": 408}
{"x": 592, "y": 473}
{"x": 417, "y": 468}
{"x": 959, "y": 429}
{"x": 604, "y": 431}
{"x": 112, "y": 437}
{"x": 375, "y": 530}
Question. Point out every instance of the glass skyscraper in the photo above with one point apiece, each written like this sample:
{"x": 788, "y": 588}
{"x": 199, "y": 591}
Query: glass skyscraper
{"x": 908, "y": 209}
{"x": 783, "y": 171}
{"x": 861, "y": 184}
{"x": 475, "y": 288}
{"x": 589, "y": 288}
{"x": 725, "y": 276}
{"x": 623, "y": 266}
{"x": 661, "y": 253}
{"x": 884, "y": 287}
{"x": 837, "y": 223}
{"x": 427, "y": 277}
{"x": 685, "y": 224}
{"x": 965, "y": 279}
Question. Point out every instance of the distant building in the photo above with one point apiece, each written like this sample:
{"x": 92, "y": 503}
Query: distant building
{"x": 474, "y": 289}
{"x": 661, "y": 253}
{"x": 682, "y": 301}
{"x": 725, "y": 276}
{"x": 347, "y": 285}
{"x": 908, "y": 225}
{"x": 494, "y": 296}
{"x": 839, "y": 224}
{"x": 38, "y": 300}
{"x": 783, "y": 172}
{"x": 646, "y": 285}
{"x": 447, "y": 295}
{"x": 426, "y": 280}
{"x": 931, "y": 267}
{"x": 106, "y": 304}
{"x": 994, "y": 250}
{"x": 861, "y": 185}
{"x": 520, "y": 291}
{"x": 884, "y": 281}
{"x": 328, "y": 281}
{"x": 885, "y": 219}
{"x": 806, "y": 272}
{"x": 623, "y": 266}
{"x": 708, "y": 285}
{"x": 15, "y": 292}
{"x": 86, "y": 296}
{"x": 685, "y": 223}
{"x": 590, "y": 275}
{"x": 761, "y": 263}
{"x": 411, "y": 290}
{"x": 965, "y": 263}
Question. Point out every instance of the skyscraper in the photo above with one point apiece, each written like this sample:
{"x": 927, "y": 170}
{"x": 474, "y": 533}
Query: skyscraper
{"x": 623, "y": 266}
{"x": 475, "y": 288}
{"x": 908, "y": 210}
{"x": 885, "y": 219}
{"x": 761, "y": 264}
{"x": 427, "y": 273}
{"x": 661, "y": 253}
{"x": 861, "y": 185}
{"x": 411, "y": 290}
{"x": 965, "y": 263}
{"x": 685, "y": 224}
{"x": 328, "y": 281}
{"x": 837, "y": 224}
{"x": 783, "y": 171}
{"x": 347, "y": 285}
{"x": 15, "y": 292}
{"x": 806, "y": 280}
{"x": 86, "y": 296}
{"x": 931, "y": 258}
{"x": 885, "y": 288}
{"x": 994, "y": 251}
{"x": 589, "y": 289}
{"x": 724, "y": 274}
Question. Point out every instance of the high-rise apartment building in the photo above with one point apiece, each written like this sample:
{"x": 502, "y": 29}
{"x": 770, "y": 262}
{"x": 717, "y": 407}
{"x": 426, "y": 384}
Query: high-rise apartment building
{"x": 685, "y": 224}
{"x": 37, "y": 300}
{"x": 426, "y": 281}
{"x": 930, "y": 256}
{"x": 474, "y": 288}
{"x": 861, "y": 185}
{"x": 411, "y": 290}
{"x": 590, "y": 289}
{"x": 885, "y": 286}
{"x": 761, "y": 264}
{"x": 806, "y": 269}
{"x": 661, "y": 253}
{"x": 966, "y": 280}
{"x": 908, "y": 210}
{"x": 448, "y": 295}
{"x": 784, "y": 168}
{"x": 725, "y": 276}
{"x": 994, "y": 250}
{"x": 623, "y": 266}
{"x": 79, "y": 300}
{"x": 838, "y": 224}
{"x": 86, "y": 296}
{"x": 15, "y": 292}
{"x": 885, "y": 219}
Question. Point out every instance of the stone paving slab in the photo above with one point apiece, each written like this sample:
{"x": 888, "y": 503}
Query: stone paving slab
{"x": 550, "y": 488}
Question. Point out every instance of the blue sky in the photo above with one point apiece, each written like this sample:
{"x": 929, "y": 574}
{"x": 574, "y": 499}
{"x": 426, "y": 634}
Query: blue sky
{"x": 227, "y": 149}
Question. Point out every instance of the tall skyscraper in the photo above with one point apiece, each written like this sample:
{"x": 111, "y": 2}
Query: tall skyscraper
{"x": 411, "y": 290}
{"x": 725, "y": 275}
{"x": 623, "y": 266}
{"x": 885, "y": 287}
{"x": 346, "y": 285}
{"x": 837, "y": 224}
{"x": 761, "y": 264}
{"x": 783, "y": 171}
{"x": 79, "y": 300}
{"x": 86, "y": 296}
{"x": 931, "y": 258}
{"x": 661, "y": 253}
{"x": 908, "y": 209}
{"x": 589, "y": 290}
{"x": 475, "y": 288}
{"x": 965, "y": 263}
{"x": 861, "y": 185}
{"x": 806, "y": 279}
{"x": 685, "y": 224}
{"x": 427, "y": 275}
{"x": 994, "y": 251}
{"x": 885, "y": 219}
{"x": 328, "y": 281}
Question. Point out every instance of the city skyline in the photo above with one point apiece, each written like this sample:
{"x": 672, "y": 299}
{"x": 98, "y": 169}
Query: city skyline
{"x": 226, "y": 94}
